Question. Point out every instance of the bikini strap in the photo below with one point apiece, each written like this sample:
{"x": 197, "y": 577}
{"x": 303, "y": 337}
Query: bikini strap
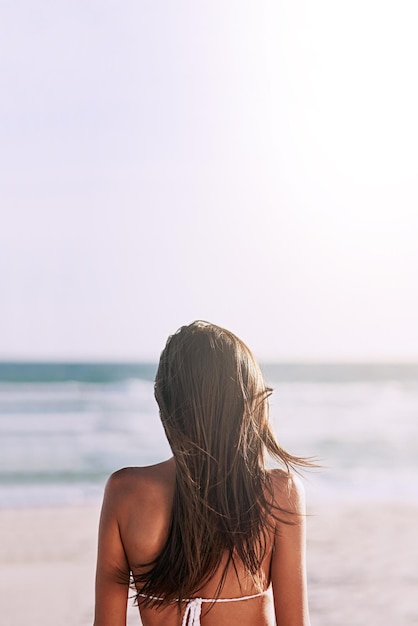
{"x": 192, "y": 612}
{"x": 255, "y": 595}
{"x": 193, "y": 608}
{"x": 188, "y": 600}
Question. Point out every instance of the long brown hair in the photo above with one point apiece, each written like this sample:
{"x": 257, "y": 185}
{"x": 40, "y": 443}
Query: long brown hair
{"x": 213, "y": 404}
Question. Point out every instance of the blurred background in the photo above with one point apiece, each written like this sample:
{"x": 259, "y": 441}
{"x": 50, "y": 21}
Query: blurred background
{"x": 253, "y": 164}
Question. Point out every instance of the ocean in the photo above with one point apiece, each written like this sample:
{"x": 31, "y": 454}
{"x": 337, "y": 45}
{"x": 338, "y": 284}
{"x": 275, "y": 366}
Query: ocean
{"x": 64, "y": 427}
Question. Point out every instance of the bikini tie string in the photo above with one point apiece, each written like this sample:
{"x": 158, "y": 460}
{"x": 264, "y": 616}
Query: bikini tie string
{"x": 193, "y": 608}
{"x": 192, "y": 612}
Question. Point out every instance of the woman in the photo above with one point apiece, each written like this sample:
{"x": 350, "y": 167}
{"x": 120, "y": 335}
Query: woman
{"x": 210, "y": 536}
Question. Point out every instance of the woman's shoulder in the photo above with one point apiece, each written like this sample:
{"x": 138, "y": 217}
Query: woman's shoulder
{"x": 138, "y": 503}
{"x": 288, "y": 490}
{"x": 146, "y": 482}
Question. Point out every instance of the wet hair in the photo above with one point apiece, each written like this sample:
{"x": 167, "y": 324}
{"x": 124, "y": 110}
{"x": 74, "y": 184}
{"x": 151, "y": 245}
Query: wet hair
{"x": 214, "y": 407}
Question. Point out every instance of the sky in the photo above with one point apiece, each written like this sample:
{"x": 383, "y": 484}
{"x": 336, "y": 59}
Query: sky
{"x": 253, "y": 164}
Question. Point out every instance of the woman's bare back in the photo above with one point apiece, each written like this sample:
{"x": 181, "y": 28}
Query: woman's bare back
{"x": 137, "y": 506}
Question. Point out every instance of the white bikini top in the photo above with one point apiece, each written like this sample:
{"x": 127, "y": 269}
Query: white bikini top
{"x": 193, "y": 610}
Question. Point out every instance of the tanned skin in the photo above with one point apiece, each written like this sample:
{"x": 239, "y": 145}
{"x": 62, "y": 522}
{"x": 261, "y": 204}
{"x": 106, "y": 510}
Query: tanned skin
{"x": 133, "y": 528}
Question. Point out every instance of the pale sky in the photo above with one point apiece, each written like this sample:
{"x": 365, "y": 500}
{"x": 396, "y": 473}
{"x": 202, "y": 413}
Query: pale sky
{"x": 253, "y": 164}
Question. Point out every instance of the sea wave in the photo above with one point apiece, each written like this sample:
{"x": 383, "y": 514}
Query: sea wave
{"x": 60, "y": 439}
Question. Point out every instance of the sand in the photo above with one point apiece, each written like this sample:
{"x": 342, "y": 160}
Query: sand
{"x": 362, "y": 565}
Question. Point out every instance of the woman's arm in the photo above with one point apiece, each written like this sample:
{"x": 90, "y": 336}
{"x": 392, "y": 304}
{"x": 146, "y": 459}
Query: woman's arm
{"x": 112, "y": 573}
{"x": 288, "y": 568}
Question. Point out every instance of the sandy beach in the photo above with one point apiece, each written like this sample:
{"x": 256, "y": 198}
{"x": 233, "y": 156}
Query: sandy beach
{"x": 362, "y": 564}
